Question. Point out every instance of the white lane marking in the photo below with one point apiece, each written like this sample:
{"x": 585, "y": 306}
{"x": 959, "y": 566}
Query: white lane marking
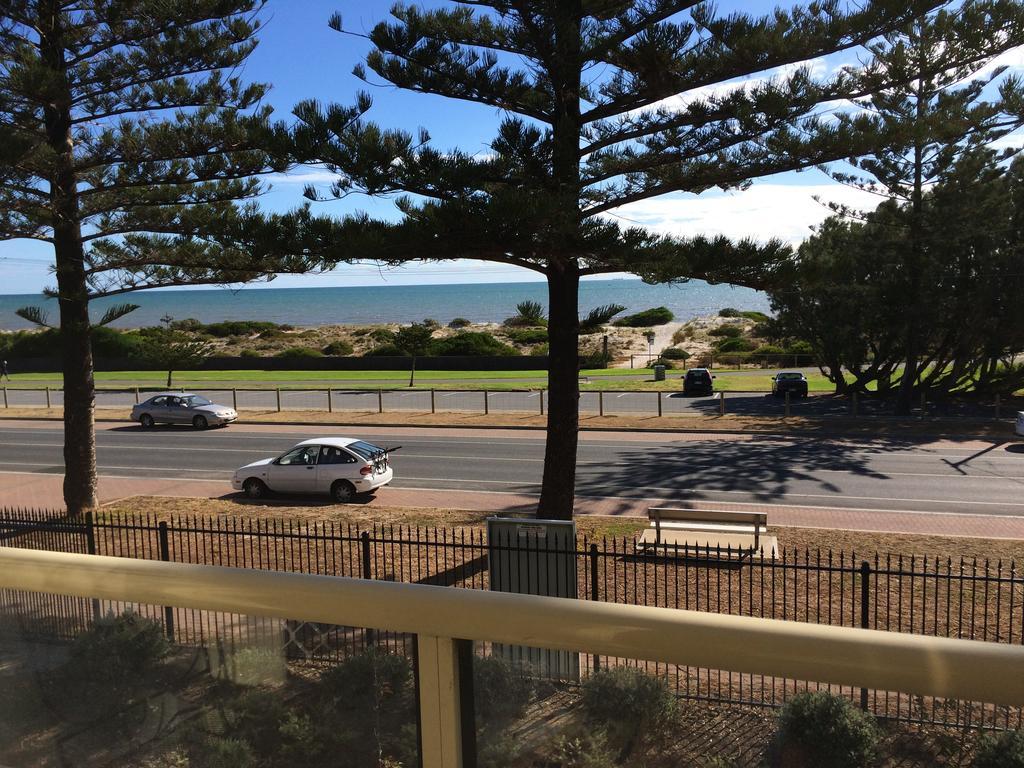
{"x": 137, "y": 470}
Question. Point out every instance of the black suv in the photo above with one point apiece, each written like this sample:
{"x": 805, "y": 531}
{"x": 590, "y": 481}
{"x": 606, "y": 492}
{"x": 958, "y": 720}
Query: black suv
{"x": 698, "y": 381}
{"x": 793, "y": 382}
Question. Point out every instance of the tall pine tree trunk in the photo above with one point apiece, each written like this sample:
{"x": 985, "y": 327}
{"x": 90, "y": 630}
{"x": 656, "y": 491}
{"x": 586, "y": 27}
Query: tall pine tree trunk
{"x": 72, "y": 289}
{"x": 558, "y": 489}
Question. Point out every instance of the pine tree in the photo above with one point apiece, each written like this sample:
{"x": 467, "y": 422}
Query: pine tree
{"x": 605, "y": 103}
{"x": 126, "y": 141}
{"x": 935, "y": 98}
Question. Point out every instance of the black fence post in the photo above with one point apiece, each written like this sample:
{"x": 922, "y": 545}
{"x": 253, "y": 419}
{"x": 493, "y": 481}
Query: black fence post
{"x": 90, "y": 548}
{"x": 467, "y": 704}
{"x": 594, "y": 592}
{"x": 165, "y": 556}
{"x": 364, "y": 546}
{"x": 865, "y": 597}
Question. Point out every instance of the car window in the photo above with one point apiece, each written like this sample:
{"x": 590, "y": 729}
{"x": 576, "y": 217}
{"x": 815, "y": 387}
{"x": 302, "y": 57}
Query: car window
{"x": 302, "y": 455}
{"x": 194, "y": 401}
{"x": 174, "y": 402}
{"x": 790, "y": 376}
{"x": 331, "y": 454}
{"x": 158, "y": 401}
{"x": 364, "y": 449}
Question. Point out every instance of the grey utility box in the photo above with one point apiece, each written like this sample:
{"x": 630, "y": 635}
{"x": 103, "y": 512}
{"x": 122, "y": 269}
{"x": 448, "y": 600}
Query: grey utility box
{"x": 659, "y": 373}
{"x": 534, "y": 557}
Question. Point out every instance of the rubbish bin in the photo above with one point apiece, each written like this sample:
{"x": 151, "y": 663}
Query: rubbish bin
{"x": 659, "y": 373}
{"x": 1020, "y": 423}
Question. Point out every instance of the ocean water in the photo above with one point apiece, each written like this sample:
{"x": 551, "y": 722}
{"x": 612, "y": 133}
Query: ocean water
{"x": 478, "y": 302}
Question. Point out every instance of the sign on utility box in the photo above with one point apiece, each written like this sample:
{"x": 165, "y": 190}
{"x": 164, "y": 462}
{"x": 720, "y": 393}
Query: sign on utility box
{"x": 534, "y": 557}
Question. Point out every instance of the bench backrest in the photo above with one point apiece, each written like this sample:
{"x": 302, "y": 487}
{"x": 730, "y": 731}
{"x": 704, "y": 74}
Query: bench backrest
{"x": 755, "y": 520}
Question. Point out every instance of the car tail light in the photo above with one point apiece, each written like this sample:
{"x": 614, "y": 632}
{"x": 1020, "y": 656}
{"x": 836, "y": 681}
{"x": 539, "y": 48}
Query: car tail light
{"x": 367, "y": 470}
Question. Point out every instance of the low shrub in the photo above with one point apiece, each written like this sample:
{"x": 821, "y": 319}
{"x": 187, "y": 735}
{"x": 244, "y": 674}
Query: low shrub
{"x": 728, "y": 331}
{"x": 770, "y": 354}
{"x": 799, "y": 348}
{"x": 501, "y": 690}
{"x": 686, "y": 333}
{"x": 734, "y": 345}
{"x": 540, "y": 349}
{"x": 729, "y": 312}
{"x": 385, "y": 350}
{"x": 471, "y": 343}
{"x": 218, "y": 752}
{"x": 339, "y": 348}
{"x": 188, "y": 324}
{"x": 250, "y": 354}
{"x": 431, "y": 323}
{"x": 584, "y": 749}
{"x": 528, "y": 335}
{"x": 820, "y": 730}
{"x": 299, "y": 353}
{"x": 654, "y": 316}
{"x": 459, "y": 322}
{"x": 627, "y": 704}
{"x": 1005, "y": 750}
{"x": 674, "y": 353}
{"x": 593, "y": 360}
{"x": 227, "y": 328}
{"x": 382, "y": 335}
{"x": 663, "y": 361}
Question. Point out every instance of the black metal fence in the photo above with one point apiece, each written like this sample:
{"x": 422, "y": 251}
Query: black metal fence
{"x": 943, "y": 597}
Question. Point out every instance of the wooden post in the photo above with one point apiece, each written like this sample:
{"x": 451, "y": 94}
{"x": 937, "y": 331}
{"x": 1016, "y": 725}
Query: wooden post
{"x": 433, "y": 404}
{"x": 600, "y": 402}
{"x": 278, "y": 390}
{"x": 136, "y": 395}
{"x": 787, "y": 403}
{"x": 5, "y": 398}
{"x": 721, "y": 403}
{"x": 47, "y": 398}
{"x": 631, "y": 361}
{"x": 380, "y": 401}
{"x": 542, "y": 402}
{"x": 234, "y": 399}
{"x": 487, "y": 404}
{"x": 330, "y": 403}
{"x": 658, "y": 395}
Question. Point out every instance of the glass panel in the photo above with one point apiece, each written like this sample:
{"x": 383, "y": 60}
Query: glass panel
{"x": 94, "y": 683}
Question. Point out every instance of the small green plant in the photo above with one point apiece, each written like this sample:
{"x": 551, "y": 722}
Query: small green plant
{"x": 734, "y": 345}
{"x": 385, "y": 350}
{"x": 528, "y": 335}
{"x": 628, "y": 704}
{"x": 219, "y": 752}
{"x": 431, "y": 323}
{"x": 728, "y": 312}
{"x": 239, "y": 328}
{"x": 730, "y": 331}
{"x": 382, "y": 335}
{"x": 1005, "y": 750}
{"x": 820, "y": 730}
{"x": 339, "y": 348}
{"x": 471, "y": 343}
{"x": 501, "y": 690}
{"x": 459, "y": 322}
{"x": 599, "y": 317}
{"x": 299, "y": 353}
{"x": 684, "y": 334}
{"x": 649, "y": 317}
{"x": 583, "y": 749}
{"x": 250, "y": 354}
{"x": 528, "y": 313}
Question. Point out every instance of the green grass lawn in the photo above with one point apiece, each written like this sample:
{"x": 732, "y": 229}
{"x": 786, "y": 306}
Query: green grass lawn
{"x": 601, "y": 379}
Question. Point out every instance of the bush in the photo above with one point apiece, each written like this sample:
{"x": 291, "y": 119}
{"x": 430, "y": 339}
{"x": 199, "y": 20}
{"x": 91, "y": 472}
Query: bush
{"x": 459, "y": 322}
{"x": 821, "y": 730}
{"x": 799, "y": 348}
{"x": 382, "y": 335}
{"x": 338, "y": 348}
{"x": 188, "y": 324}
{"x": 729, "y": 331}
{"x": 734, "y": 345}
{"x": 249, "y": 354}
{"x": 385, "y": 350}
{"x": 1005, "y": 750}
{"x": 585, "y": 749}
{"x": 501, "y": 691}
{"x": 686, "y": 333}
{"x": 219, "y": 752}
{"x": 239, "y": 328}
{"x": 770, "y": 354}
{"x": 627, "y": 703}
{"x": 472, "y": 343}
{"x": 655, "y": 316}
{"x": 540, "y": 349}
{"x": 431, "y": 323}
{"x": 674, "y": 353}
{"x": 728, "y": 312}
{"x": 528, "y": 335}
{"x": 664, "y": 362}
{"x": 299, "y": 353}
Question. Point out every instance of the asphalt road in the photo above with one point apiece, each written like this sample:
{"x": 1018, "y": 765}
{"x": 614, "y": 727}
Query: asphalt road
{"x": 973, "y": 477}
{"x": 522, "y": 401}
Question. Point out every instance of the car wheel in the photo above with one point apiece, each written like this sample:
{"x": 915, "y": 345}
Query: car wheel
{"x": 146, "y": 421}
{"x": 255, "y": 489}
{"x": 199, "y": 422}
{"x": 343, "y": 491}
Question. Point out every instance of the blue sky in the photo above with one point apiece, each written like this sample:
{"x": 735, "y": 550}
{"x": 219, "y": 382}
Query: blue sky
{"x": 303, "y": 58}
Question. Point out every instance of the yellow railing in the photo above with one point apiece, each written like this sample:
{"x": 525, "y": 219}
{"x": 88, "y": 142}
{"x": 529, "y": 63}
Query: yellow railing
{"x": 889, "y": 661}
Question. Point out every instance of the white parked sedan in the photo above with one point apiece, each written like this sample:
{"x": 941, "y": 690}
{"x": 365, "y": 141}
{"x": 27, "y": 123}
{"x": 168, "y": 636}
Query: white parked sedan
{"x": 340, "y": 466}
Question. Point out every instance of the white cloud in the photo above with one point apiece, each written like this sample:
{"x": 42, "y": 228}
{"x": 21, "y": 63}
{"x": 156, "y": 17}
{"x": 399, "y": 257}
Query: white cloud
{"x": 765, "y": 211}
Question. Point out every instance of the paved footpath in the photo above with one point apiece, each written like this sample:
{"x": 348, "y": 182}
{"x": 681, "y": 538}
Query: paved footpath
{"x": 43, "y": 491}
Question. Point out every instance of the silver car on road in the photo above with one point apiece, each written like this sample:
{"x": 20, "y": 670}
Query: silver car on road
{"x": 182, "y": 408}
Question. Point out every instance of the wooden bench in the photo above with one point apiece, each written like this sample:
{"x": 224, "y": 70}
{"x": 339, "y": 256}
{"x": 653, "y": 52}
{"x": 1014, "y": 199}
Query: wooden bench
{"x": 690, "y": 531}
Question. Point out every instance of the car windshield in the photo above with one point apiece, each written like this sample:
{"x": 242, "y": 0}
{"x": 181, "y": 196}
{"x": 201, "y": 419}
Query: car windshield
{"x": 697, "y": 374}
{"x": 364, "y": 449}
{"x": 789, "y": 376}
{"x": 192, "y": 401}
